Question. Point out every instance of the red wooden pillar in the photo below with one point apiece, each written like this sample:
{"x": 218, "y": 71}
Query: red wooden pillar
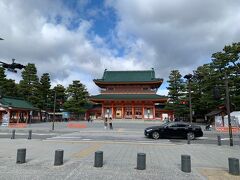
{"x": 142, "y": 110}
{"x": 113, "y": 114}
{"x": 122, "y": 110}
{"x": 102, "y": 111}
{"x": 133, "y": 110}
{"x": 17, "y": 116}
{"x": 26, "y": 118}
{"x": 154, "y": 111}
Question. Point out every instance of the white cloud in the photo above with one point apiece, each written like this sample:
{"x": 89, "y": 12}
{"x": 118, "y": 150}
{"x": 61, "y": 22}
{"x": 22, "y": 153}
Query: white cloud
{"x": 177, "y": 34}
{"x": 165, "y": 35}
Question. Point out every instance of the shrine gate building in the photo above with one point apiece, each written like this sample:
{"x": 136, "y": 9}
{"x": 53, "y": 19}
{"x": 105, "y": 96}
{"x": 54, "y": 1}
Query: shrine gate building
{"x": 129, "y": 95}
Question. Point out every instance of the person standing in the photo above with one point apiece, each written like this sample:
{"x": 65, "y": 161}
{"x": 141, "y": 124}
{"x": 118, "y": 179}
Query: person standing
{"x": 105, "y": 123}
{"x": 110, "y": 123}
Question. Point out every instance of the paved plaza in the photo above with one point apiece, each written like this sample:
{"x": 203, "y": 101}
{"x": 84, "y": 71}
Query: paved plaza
{"x": 163, "y": 157}
{"x": 163, "y": 160}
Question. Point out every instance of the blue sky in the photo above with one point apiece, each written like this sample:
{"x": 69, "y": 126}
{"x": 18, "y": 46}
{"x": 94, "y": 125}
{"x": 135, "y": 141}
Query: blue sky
{"x": 78, "y": 39}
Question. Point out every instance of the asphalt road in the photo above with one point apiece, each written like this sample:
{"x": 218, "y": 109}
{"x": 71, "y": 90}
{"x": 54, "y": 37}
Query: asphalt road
{"x": 131, "y": 132}
{"x": 117, "y": 136}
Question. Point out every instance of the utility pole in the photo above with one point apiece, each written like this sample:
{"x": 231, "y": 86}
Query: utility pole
{"x": 54, "y": 108}
{"x": 188, "y": 77}
{"x": 228, "y": 110}
{"x": 190, "y": 100}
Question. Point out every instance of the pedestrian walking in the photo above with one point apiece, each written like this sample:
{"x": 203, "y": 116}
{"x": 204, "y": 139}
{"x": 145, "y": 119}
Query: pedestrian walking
{"x": 105, "y": 123}
{"x": 110, "y": 123}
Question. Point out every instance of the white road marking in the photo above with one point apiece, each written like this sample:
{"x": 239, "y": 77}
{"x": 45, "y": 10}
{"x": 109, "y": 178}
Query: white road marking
{"x": 224, "y": 139}
{"x": 65, "y": 137}
{"x": 203, "y": 138}
{"x": 113, "y": 142}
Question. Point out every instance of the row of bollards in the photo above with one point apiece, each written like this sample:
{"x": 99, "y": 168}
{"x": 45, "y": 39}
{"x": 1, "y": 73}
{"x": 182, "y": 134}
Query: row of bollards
{"x": 98, "y": 159}
{"x": 14, "y": 132}
{"x": 58, "y": 160}
{"x": 186, "y": 163}
{"x": 141, "y": 160}
{"x": 233, "y": 163}
{"x": 21, "y": 156}
{"x": 188, "y": 139}
{"x": 218, "y": 139}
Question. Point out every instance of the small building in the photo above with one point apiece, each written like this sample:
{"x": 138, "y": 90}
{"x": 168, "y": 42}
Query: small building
{"x": 129, "y": 95}
{"x": 18, "y": 109}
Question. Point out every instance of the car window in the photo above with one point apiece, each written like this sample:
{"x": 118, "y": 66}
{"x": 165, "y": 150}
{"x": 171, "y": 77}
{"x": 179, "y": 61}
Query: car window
{"x": 182, "y": 125}
{"x": 172, "y": 125}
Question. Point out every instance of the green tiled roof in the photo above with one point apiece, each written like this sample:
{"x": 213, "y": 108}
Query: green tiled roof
{"x": 16, "y": 103}
{"x": 129, "y": 76}
{"x": 127, "y": 97}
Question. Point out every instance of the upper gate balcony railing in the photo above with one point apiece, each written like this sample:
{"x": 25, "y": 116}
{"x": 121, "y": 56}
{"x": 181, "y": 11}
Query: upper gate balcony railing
{"x": 128, "y": 91}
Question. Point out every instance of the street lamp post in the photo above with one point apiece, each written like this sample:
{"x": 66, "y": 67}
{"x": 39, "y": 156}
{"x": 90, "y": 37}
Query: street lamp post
{"x": 228, "y": 110}
{"x": 54, "y": 109}
{"x": 188, "y": 77}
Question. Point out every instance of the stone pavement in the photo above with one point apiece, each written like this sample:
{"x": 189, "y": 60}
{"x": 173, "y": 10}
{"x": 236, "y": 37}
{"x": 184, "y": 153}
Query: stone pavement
{"x": 163, "y": 160}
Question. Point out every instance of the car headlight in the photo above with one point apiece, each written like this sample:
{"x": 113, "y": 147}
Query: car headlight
{"x": 149, "y": 130}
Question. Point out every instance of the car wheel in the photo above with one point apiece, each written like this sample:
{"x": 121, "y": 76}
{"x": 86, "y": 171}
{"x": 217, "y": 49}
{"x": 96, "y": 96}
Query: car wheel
{"x": 191, "y": 135}
{"x": 155, "y": 135}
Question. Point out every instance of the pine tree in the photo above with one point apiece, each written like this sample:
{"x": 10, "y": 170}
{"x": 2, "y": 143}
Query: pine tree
{"x": 7, "y": 86}
{"x": 60, "y": 98}
{"x": 2, "y": 81}
{"x": 77, "y": 97}
{"x": 29, "y": 85}
{"x": 176, "y": 94}
{"x": 203, "y": 83}
{"x": 44, "y": 90}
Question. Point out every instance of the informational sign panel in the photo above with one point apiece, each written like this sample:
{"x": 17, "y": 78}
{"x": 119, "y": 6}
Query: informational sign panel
{"x": 5, "y": 119}
{"x": 221, "y": 124}
{"x": 218, "y": 121}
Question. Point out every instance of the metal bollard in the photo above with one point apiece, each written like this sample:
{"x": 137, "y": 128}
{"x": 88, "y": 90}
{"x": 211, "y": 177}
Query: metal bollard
{"x": 188, "y": 139}
{"x": 30, "y": 134}
{"x": 186, "y": 163}
{"x": 233, "y": 164}
{"x": 219, "y": 140}
{"x": 21, "y": 156}
{"x": 98, "y": 160}
{"x": 58, "y": 157}
{"x": 141, "y": 161}
{"x": 13, "y": 134}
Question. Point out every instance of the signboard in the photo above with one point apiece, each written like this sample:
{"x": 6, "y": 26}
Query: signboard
{"x": 234, "y": 121}
{"x": 221, "y": 124}
{"x": 5, "y": 119}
